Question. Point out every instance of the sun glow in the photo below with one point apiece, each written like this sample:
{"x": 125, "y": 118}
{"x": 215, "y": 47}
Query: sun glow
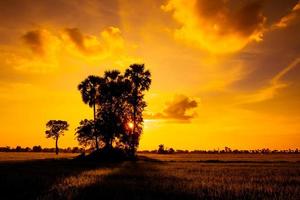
{"x": 130, "y": 125}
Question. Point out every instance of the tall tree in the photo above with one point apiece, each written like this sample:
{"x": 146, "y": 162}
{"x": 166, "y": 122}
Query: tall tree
{"x": 55, "y": 129}
{"x": 89, "y": 92}
{"x": 141, "y": 81}
{"x": 113, "y": 96}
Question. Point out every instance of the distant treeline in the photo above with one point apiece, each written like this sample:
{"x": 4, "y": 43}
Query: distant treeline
{"x": 256, "y": 151}
{"x": 38, "y": 148}
{"x": 162, "y": 150}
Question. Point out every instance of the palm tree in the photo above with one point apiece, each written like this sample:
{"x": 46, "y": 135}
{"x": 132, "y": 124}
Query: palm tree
{"x": 89, "y": 92}
{"x": 112, "y": 75}
{"x": 113, "y": 96}
{"x": 55, "y": 129}
{"x": 141, "y": 80}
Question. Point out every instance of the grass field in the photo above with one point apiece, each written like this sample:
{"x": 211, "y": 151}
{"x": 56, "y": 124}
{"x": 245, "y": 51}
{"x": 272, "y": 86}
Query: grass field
{"x": 23, "y": 156}
{"x": 180, "y": 176}
{"x": 225, "y": 157}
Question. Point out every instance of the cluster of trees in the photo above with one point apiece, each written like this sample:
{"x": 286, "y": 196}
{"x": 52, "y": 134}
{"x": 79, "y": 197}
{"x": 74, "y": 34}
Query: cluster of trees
{"x": 163, "y": 150}
{"x": 118, "y": 102}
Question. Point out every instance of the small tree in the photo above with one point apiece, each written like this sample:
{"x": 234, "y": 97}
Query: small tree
{"x": 55, "y": 129}
{"x": 161, "y": 148}
{"x": 87, "y": 133}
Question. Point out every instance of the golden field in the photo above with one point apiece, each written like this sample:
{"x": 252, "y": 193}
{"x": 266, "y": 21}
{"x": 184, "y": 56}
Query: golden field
{"x": 153, "y": 176}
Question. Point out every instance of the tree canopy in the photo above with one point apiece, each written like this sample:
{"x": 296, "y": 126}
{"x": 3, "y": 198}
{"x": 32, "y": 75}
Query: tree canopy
{"x": 118, "y": 102}
{"x": 55, "y": 129}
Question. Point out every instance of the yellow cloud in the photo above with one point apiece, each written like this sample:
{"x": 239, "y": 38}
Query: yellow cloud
{"x": 180, "y": 109}
{"x": 35, "y": 40}
{"x": 45, "y": 51}
{"x": 108, "y": 43}
{"x": 213, "y": 26}
{"x": 41, "y": 42}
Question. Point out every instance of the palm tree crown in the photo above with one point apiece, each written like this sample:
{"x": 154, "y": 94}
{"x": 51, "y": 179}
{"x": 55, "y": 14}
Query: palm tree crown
{"x": 141, "y": 79}
{"x": 89, "y": 88}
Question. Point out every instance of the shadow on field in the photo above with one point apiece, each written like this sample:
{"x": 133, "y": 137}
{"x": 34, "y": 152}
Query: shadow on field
{"x": 130, "y": 180}
{"x": 30, "y": 179}
{"x": 42, "y": 179}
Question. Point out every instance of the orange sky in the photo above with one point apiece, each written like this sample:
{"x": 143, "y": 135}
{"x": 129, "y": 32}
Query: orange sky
{"x": 225, "y": 72}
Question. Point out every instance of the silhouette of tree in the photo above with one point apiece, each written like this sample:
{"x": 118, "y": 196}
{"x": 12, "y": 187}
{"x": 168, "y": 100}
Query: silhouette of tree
{"x": 89, "y": 92}
{"x": 55, "y": 129}
{"x": 118, "y": 104}
{"x": 171, "y": 151}
{"x": 140, "y": 80}
{"x": 85, "y": 133}
{"x": 161, "y": 148}
{"x": 37, "y": 148}
{"x": 113, "y": 110}
{"x": 18, "y": 149}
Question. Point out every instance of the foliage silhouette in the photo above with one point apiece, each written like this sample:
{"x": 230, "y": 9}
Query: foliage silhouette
{"x": 85, "y": 133}
{"x": 161, "y": 148}
{"x": 89, "y": 92}
{"x": 55, "y": 129}
{"x": 140, "y": 80}
{"x": 118, "y": 102}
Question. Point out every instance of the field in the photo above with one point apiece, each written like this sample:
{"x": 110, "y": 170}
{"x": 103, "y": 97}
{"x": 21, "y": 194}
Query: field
{"x": 23, "y": 156}
{"x": 180, "y": 176}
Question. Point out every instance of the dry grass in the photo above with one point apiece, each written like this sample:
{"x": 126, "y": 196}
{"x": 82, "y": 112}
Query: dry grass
{"x": 21, "y": 156}
{"x": 226, "y": 157}
{"x": 152, "y": 179}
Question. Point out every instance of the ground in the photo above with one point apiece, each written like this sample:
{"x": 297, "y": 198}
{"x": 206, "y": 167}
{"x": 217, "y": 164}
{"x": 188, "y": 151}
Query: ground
{"x": 180, "y": 176}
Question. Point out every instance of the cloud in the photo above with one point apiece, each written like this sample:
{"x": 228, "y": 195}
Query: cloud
{"x": 110, "y": 41}
{"x": 86, "y": 44}
{"x": 76, "y": 37}
{"x": 269, "y": 91}
{"x": 109, "y": 44}
{"x": 289, "y": 18}
{"x": 34, "y": 40}
{"x": 44, "y": 50}
{"x": 39, "y": 54}
{"x": 41, "y": 42}
{"x": 179, "y": 109}
{"x": 215, "y": 25}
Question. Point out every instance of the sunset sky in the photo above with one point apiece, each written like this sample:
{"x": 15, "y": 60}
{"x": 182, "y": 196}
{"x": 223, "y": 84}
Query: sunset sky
{"x": 224, "y": 72}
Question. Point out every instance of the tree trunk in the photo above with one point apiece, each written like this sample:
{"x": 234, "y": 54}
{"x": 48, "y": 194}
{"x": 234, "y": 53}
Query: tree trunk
{"x": 108, "y": 144}
{"x": 134, "y": 122}
{"x": 56, "y": 145}
{"x": 96, "y": 137}
{"x": 134, "y": 119}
